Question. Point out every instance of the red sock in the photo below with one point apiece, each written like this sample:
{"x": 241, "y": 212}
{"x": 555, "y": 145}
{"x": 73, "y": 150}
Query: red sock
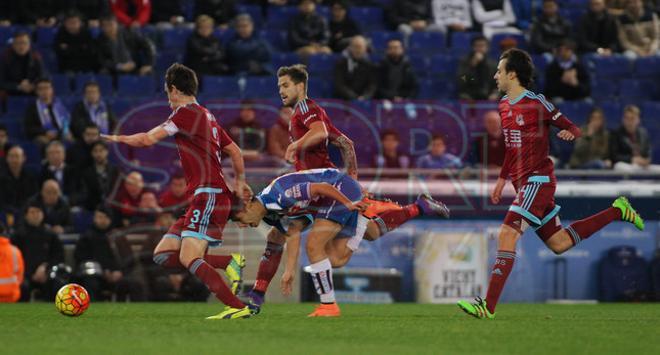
{"x": 214, "y": 282}
{"x": 584, "y": 228}
{"x": 170, "y": 259}
{"x": 218, "y": 261}
{"x": 268, "y": 265}
{"x": 501, "y": 271}
{"x": 391, "y": 219}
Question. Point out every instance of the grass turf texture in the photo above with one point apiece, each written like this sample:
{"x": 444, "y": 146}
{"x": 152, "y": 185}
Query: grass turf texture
{"x": 180, "y": 328}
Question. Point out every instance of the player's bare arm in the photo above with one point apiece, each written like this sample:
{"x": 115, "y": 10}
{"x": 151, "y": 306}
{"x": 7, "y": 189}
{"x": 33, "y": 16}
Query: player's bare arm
{"x": 347, "y": 149}
{"x": 143, "y": 139}
{"x": 327, "y": 190}
{"x": 292, "y": 253}
{"x": 241, "y": 189}
{"x": 317, "y": 133}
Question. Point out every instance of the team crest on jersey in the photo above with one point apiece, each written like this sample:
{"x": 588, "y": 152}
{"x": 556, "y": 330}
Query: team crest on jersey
{"x": 293, "y": 192}
{"x": 520, "y": 120}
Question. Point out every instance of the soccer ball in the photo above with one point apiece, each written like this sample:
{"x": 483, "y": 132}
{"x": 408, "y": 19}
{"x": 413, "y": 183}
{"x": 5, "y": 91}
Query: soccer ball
{"x": 72, "y": 300}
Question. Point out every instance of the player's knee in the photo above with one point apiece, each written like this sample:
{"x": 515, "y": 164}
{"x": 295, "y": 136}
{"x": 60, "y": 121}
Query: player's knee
{"x": 185, "y": 259}
{"x": 275, "y": 236}
{"x": 508, "y": 236}
{"x": 313, "y": 249}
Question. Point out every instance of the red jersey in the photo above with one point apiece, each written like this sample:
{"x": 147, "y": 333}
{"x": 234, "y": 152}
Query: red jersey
{"x": 526, "y": 123}
{"x": 304, "y": 114}
{"x": 199, "y": 140}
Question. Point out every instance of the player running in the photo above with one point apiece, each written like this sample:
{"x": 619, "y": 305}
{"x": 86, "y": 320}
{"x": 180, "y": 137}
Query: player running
{"x": 333, "y": 201}
{"x": 200, "y": 141}
{"x": 310, "y": 132}
{"x": 526, "y": 120}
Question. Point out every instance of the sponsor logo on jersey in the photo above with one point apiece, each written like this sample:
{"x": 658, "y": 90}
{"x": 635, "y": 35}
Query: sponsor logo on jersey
{"x": 520, "y": 120}
{"x": 309, "y": 118}
{"x": 294, "y": 192}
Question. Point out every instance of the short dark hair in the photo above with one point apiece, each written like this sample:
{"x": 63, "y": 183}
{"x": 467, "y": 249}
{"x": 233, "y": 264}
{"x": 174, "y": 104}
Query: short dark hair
{"x": 101, "y": 143}
{"x": 478, "y": 38}
{"x": 182, "y": 78}
{"x": 105, "y": 210}
{"x": 389, "y": 132}
{"x": 297, "y": 73}
{"x": 519, "y": 62}
{"x": 439, "y": 136}
{"x": 342, "y": 3}
{"x": 21, "y": 34}
{"x": 72, "y": 13}
{"x": 567, "y": 42}
{"x": 91, "y": 83}
{"x": 90, "y": 125}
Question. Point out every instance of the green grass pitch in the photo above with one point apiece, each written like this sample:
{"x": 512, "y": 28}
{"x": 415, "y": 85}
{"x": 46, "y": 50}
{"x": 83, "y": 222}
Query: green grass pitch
{"x": 180, "y": 328}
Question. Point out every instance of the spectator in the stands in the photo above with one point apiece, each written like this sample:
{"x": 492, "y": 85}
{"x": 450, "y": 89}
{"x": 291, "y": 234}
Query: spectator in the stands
{"x": 17, "y": 183}
{"x": 46, "y": 119}
{"x": 488, "y": 150}
{"x": 132, "y": 13}
{"x": 494, "y": 16}
{"x": 79, "y": 155}
{"x": 167, "y": 14}
{"x": 355, "y": 75}
{"x": 92, "y": 10}
{"x": 92, "y": 109}
{"x": 390, "y": 157}
{"x": 451, "y": 15}
{"x": 566, "y": 78}
{"x": 176, "y": 195}
{"x": 5, "y": 144}
{"x": 222, "y": 11}
{"x": 598, "y": 32}
{"x": 342, "y": 27}
{"x": 639, "y": 31}
{"x": 278, "y": 134}
{"x": 308, "y": 31}
{"x": 99, "y": 179}
{"x": 57, "y": 211}
{"x": 247, "y": 132}
{"x": 475, "y": 73}
{"x": 549, "y": 30}
{"x": 630, "y": 145}
{"x": 438, "y": 158}
{"x": 148, "y": 209}
{"x": 20, "y": 66}
{"x": 397, "y": 78}
{"x": 122, "y": 51}
{"x": 247, "y": 53}
{"x": 408, "y": 16}
{"x": 204, "y": 52}
{"x": 41, "y": 249}
{"x": 74, "y": 46}
{"x": 38, "y": 12}
{"x": 126, "y": 200}
{"x": 591, "y": 151}
{"x": 56, "y": 168}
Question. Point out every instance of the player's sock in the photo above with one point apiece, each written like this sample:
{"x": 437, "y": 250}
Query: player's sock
{"x": 218, "y": 261}
{"x": 585, "y": 228}
{"x": 268, "y": 265}
{"x": 213, "y": 281}
{"x": 168, "y": 259}
{"x": 390, "y": 220}
{"x": 354, "y": 242}
{"x": 501, "y": 271}
{"x": 321, "y": 274}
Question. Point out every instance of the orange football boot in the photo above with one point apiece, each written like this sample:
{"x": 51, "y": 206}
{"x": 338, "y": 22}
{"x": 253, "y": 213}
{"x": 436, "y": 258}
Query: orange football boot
{"x": 326, "y": 310}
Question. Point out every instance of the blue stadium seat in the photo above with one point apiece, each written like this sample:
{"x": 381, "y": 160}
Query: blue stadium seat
{"x": 104, "y": 81}
{"x": 379, "y": 39}
{"x": 176, "y": 38}
{"x": 136, "y": 86}
{"x": 540, "y": 62}
{"x": 651, "y": 112}
{"x": 280, "y": 16}
{"x": 32, "y": 155}
{"x": 82, "y": 220}
{"x": 18, "y": 104}
{"x": 610, "y": 67}
{"x": 324, "y": 11}
{"x": 45, "y": 37}
{"x": 121, "y": 105}
{"x": 436, "y": 89}
{"x": 61, "y": 84}
{"x": 461, "y": 42}
{"x": 320, "y": 88}
{"x": 647, "y": 67}
{"x": 573, "y": 14}
{"x": 254, "y": 11}
{"x": 604, "y": 89}
{"x": 5, "y": 35}
{"x": 420, "y": 63}
{"x": 284, "y": 59}
{"x": 260, "y": 88}
{"x": 50, "y": 60}
{"x": 367, "y": 18}
{"x": 443, "y": 65}
{"x": 220, "y": 87}
{"x": 638, "y": 89}
{"x": 613, "y": 111}
{"x": 166, "y": 58}
{"x": 323, "y": 64}
{"x": 576, "y": 111}
{"x": 277, "y": 39}
{"x": 14, "y": 124}
{"x": 427, "y": 42}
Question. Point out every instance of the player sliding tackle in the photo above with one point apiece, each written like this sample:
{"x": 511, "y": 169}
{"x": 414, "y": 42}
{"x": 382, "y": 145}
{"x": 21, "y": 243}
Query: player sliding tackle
{"x": 334, "y": 201}
{"x": 526, "y": 120}
{"x": 200, "y": 141}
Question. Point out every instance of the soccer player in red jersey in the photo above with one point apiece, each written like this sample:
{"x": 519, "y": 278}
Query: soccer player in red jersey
{"x": 200, "y": 141}
{"x": 526, "y": 120}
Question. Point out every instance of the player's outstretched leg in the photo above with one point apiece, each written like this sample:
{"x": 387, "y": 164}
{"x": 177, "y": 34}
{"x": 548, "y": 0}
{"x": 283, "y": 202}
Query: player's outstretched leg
{"x": 390, "y": 215}
{"x": 270, "y": 261}
{"x": 320, "y": 269}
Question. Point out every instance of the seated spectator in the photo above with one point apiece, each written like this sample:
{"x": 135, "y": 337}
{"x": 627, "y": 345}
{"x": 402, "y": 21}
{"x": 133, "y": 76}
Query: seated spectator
{"x": 598, "y": 31}
{"x": 475, "y": 73}
{"x": 131, "y": 13}
{"x": 566, "y": 78}
{"x": 390, "y": 157}
{"x": 494, "y": 17}
{"x": 20, "y": 66}
{"x": 308, "y": 31}
{"x": 176, "y": 195}
{"x": 38, "y": 12}
{"x": 41, "y": 250}
{"x": 11, "y": 268}
{"x": 17, "y": 184}
{"x": 549, "y": 30}
{"x": 247, "y": 53}
{"x": 47, "y": 119}
{"x": 4, "y": 143}
{"x": 247, "y": 132}
{"x": 278, "y": 134}
{"x": 167, "y": 14}
{"x": 638, "y": 31}
{"x": 79, "y": 155}
{"x": 591, "y": 151}
{"x": 74, "y": 46}
{"x": 222, "y": 11}
{"x": 148, "y": 209}
{"x": 438, "y": 158}
{"x": 122, "y": 51}
{"x": 396, "y": 76}
{"x": 93, "y": 109}
{"x": 126, "y": 200}
{"x": 342, "y": 27}
{"x": 488, "y": 151}
{"x": 630, "y": 146}
{"x": 204, "y": 53}
{"x": 95, "y": 246}
{"x": 91, "y": 10}
{"x": 408, "y": 16}
{"x": 355, "y": 75}
{"x": 56, "y": 168}
{"x": 57, "y": 212}
{"x": 451, "y": 15}
{"x": 99, "y": 179}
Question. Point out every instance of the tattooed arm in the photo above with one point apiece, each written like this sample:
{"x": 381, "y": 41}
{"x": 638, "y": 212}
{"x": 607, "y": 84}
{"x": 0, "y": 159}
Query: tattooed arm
{"x": 347, "y": 149}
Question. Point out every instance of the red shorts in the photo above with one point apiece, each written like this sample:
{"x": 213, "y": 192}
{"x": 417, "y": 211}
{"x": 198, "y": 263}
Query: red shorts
{"x": 535, "y": 207}
{"x": 205, "y": 218}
